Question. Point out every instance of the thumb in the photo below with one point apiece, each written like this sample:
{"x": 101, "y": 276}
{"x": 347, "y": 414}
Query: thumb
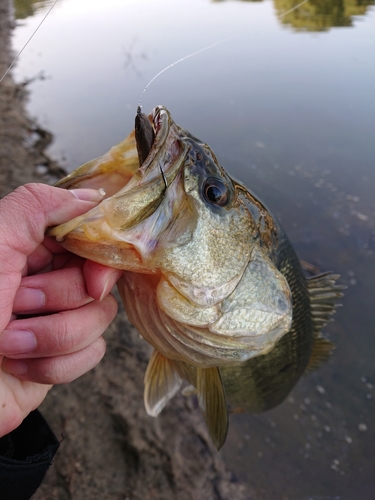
{"x": 26, "y": 213}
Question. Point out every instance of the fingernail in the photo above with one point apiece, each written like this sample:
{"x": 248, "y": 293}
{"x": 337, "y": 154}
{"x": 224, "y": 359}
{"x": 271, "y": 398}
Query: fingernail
{"x": 14, "y": 367}
{"x": 17, "y": 342}
{"x": 28, "y": 299}
{"x": 89, "y": 194}
{"x": 107, "y": 287}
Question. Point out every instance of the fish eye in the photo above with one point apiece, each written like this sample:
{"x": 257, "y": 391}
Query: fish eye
{"x": 216, "y": 192}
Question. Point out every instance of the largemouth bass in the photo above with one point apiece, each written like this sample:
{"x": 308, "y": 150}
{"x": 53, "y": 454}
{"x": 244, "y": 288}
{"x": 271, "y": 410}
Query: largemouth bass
{"x": 211, "y": 280}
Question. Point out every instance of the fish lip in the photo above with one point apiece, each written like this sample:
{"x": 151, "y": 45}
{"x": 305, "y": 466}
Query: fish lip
{"x": 164, "y": 128}
{"x": 161, "y": 121}
{"x": 159, "y": 115}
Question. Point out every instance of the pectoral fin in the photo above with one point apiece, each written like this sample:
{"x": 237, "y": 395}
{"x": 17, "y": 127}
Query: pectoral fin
{"x": 211, "y": 398}
{"x": 162, "y": 382}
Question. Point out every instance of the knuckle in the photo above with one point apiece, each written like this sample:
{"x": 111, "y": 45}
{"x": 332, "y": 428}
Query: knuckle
{"x": 76, "y": 290}
{"x": 99, "y": 347}
{"x": 64, "y": 338}
{"x": 31, "y": 199}
{"x": 73, "y": 292}
{"x": 54, "y": 371}
{"x": 33, "y": 195}
{"x": 65, "y": 369}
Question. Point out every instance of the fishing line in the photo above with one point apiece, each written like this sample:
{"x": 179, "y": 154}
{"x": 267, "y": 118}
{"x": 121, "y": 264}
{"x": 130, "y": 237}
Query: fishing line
{"x": 292, "y": 9}
{"x": 202, "y": 50}
{"x": 177, "y": 62}
{"x": 160, "y": 72}
{"x": 139, "y": 107}
{"x": 163, "y": 175}
{"x": 32, "y": 35}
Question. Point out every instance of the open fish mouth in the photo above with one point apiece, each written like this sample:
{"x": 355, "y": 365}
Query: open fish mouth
{"x": 135, "y": 177}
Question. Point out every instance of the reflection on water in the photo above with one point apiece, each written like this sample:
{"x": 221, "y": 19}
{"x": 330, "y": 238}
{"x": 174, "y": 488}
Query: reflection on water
{"x": 311, "y": 15}
{"x": 320, "y": 15}
{"x": 26, "y": 8}
{"x": 292, "y": 115}
{"x": 317, "y": 15}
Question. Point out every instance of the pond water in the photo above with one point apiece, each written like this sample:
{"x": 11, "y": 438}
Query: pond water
{"x": 287, "y": 105}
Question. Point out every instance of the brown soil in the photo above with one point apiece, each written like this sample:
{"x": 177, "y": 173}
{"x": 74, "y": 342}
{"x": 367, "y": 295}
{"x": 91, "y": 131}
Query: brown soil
{"x": 110, "y": 449}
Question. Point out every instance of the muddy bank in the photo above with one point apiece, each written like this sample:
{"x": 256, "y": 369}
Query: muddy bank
{"x": 111, "y": 449}
{"x": 22, "y": 141}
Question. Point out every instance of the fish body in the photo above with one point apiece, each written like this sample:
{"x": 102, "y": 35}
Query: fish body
{"x": 211, "y": 280}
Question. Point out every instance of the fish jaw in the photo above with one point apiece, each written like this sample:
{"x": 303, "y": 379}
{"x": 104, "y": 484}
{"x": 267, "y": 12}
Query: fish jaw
{"x": 133, "y": 218}
{"x": 113, "y": 170}
{"x": 151, "y": 221}
{"x": 110, "y": 172}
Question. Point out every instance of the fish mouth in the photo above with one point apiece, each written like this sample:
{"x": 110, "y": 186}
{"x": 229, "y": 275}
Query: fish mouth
{"x": 141, "y": 200}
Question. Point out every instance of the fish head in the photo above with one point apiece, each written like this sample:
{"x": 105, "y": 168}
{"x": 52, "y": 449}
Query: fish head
{"x": 206, "y": 241}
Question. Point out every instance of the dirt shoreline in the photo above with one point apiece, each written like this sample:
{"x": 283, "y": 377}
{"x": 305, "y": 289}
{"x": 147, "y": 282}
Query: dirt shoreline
{"x": 22, "y": 141}
{"x": 111, "y": 449}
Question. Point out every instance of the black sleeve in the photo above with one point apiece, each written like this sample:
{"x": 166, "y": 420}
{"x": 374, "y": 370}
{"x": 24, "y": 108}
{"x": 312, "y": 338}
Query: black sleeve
{"x": 25, "y": 455}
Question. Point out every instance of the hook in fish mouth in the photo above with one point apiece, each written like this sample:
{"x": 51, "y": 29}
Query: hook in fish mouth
{"x": 145, "y": 136}
{"x": 146, "y": 128}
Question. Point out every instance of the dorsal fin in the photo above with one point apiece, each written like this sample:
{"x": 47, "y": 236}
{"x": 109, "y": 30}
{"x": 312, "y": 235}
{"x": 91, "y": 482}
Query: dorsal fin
{"x": 162, "y": 382}
{"x": 212, "y": 401}
{"x": 324, "y": 294}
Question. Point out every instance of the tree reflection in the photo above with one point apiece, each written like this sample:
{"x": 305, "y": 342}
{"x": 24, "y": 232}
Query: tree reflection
{"x": 26, "y": 8}
{"x": 320, "y": 15}
{"x": 317, "y": 15}
{"x": 314, "y": 15}
{"x": 218, "y": 1}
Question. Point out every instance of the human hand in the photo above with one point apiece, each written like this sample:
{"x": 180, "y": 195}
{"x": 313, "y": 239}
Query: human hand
{"x": 64, "y": 297}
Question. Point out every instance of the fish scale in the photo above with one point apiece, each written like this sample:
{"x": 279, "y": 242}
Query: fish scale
{"x": 266, "y": 380}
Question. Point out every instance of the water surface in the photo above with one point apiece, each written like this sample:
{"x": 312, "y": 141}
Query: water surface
{"x": 288, "y": 107}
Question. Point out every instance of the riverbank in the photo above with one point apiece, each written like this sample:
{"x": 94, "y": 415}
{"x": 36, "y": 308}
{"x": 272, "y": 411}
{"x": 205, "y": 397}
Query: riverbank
{"x": 22, "y": 142}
